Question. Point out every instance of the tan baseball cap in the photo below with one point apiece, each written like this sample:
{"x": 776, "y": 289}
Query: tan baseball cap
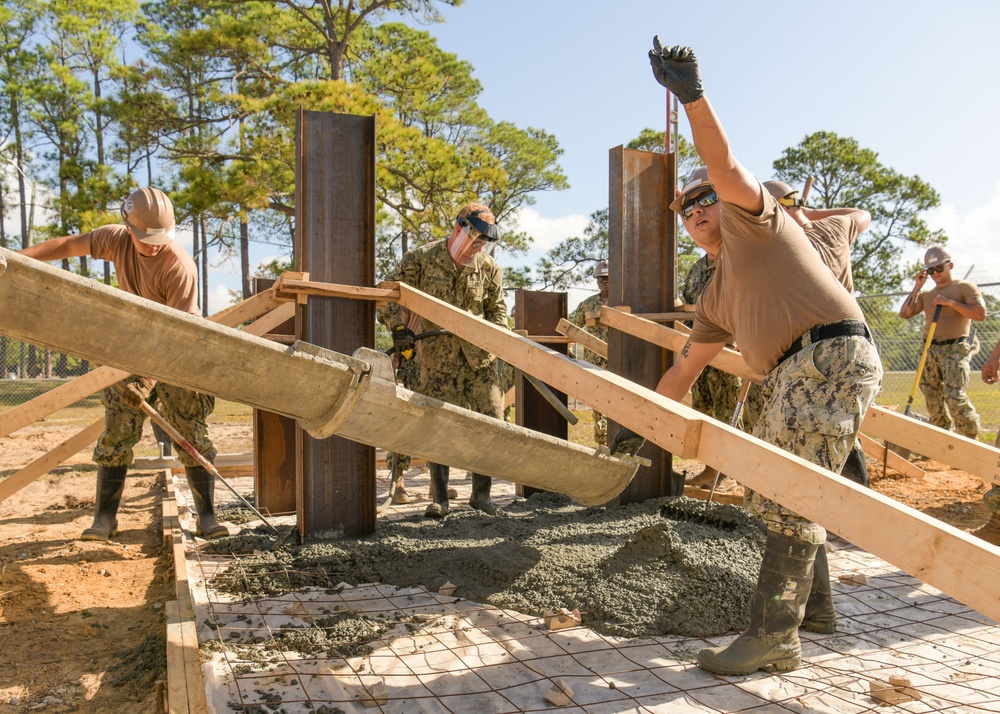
{"x": 601, "y": 269}
{"x": 150, "y": 215}
{"x": 935, "y": 255}
{"x": 696, "y": 183}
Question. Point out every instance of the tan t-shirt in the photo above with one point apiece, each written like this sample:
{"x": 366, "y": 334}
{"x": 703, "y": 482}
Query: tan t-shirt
{"x": 169, "y": 277}
{"x": 950, "y": 324}
{"x": 832, "y": 237}
{"x": 770, "y": 287}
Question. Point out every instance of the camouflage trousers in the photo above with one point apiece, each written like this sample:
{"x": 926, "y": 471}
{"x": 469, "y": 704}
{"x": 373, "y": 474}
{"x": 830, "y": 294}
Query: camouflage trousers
{"x": 753, "y": 405}
{"x": 944, "y": 382}
{"x": 715, "y": 393}
{"x": 466, "y": 387}
{"x": 185, "y": 410}
{"x": 814, "y": 403}
{"x": 600, "y": 428}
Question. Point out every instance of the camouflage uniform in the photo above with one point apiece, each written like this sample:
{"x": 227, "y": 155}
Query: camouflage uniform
{"x": 452, "y": 369}
{"x": 714, "y": 392}
{"x": 592, "y": 305}
{"x": 185, "y": 410}
{"x": 408, "y": 375}
{"x": 797, "y": 416}
{"x": 944, "y": 382}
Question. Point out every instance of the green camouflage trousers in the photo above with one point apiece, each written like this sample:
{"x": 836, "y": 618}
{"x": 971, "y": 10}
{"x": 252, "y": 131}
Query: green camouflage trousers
{"x": 753, "y": 405}
{"x": 185, "y": 410}
{"x": 814, "y": 403}
{"x": 715, "y": 393}
{"x": 467, "y": 387}
{"x": 944, "y": 382}
{"x": 408, "y": 375}
{"x": 600, "y": 428}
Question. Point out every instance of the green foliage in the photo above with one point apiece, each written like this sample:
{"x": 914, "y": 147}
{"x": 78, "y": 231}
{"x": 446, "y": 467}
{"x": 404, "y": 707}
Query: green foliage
{"x": 846, "y": 174}
{"x": 572, "y": 262}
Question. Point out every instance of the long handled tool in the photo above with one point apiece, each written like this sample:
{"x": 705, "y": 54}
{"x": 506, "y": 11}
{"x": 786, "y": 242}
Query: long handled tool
{"x": 740, "y": 401}
{"x": 923, "y": 360}
{"x": 195, "y": 454}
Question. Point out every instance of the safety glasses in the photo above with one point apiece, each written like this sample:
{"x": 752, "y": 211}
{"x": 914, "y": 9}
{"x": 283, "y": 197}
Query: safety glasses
{"x": 705, "y": 200}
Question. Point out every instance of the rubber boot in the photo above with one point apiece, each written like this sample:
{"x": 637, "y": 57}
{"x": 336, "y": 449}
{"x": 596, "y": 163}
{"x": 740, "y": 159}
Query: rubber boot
{"x": 202, "y": 485}
{"x": 776, "y": 609}
{"x": 110, "y": 485}
{"x": 480, "y": 499}
{"x": 820, "y": 614}
{"x": 438, "y": 507}
{"x": 856, "y": 466}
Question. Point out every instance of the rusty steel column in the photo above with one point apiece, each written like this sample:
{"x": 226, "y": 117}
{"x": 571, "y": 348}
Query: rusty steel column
{"x": 538, "y": 313}
{"x": 335, "y": 242}
{"x": 642, "y": 249}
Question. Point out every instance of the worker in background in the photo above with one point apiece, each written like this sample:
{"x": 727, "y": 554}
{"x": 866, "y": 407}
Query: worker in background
{"x": 945, "y": 378}
{"x": 715, "y": 392}
{"x": 407, "y": 375}
{"x": 990, "y": 531}
{"x": 591, "y": 307}
{"x": 148, "y": 263}
{"x": 457, "y": 271}
{"x": 821, "y": 369}
{"x": 832, "y": 232}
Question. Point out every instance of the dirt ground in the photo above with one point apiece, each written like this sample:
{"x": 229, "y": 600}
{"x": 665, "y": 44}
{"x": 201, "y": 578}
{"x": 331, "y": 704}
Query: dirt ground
{"x": 82, "y": 624}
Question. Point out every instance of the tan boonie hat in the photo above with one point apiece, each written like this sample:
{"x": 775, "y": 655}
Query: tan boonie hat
{"x": 935, "y": 255}
{"x": 150, "y": 215}
{"x": 601, "y": 269}
{"x": 696, "y": 183}
{"x": 783, "y": 193}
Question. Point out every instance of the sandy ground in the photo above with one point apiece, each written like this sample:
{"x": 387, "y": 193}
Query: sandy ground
{"x": 81, "y": 624}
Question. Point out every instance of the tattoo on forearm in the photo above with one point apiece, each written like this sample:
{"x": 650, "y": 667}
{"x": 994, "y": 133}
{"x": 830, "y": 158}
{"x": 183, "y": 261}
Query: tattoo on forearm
{"x": 686, "y": 350}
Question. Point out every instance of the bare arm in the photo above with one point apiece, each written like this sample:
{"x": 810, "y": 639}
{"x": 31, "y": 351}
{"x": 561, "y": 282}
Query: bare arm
{"x": 59, "y": 248}
{"x": 911, "y": 306}
{"x": 732, "y": 181}
{"x": 992, "y": 366}
{"x": 862, "y": 217}
{"x": 688, "y": 364}
{"x": 975, "y": 311}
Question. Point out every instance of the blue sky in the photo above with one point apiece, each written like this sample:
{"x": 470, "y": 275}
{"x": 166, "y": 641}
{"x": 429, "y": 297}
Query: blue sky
{"x": 913, "y": 81}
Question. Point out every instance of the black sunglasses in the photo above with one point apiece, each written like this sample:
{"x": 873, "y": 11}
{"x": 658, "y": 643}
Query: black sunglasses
{"x": 705, "y": 200}
{"x": 936, "y": 269}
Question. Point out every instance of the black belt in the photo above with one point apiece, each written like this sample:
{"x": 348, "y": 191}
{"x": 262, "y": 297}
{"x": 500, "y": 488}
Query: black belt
{"x": 948, "y": 342}
{"x": 845, "y": 328}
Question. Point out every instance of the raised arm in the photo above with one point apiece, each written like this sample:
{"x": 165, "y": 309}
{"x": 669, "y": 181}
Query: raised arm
{"x": 676, "y": 68}
{"x": 59, "y": 248}
{"x": 862, "y": 217}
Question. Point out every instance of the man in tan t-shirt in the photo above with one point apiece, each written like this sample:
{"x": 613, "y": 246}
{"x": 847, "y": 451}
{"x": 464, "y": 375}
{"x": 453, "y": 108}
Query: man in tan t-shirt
{"x": 945, "y": 378}
{"x": 795, "y": 324}
{"x": 150, "y": 264}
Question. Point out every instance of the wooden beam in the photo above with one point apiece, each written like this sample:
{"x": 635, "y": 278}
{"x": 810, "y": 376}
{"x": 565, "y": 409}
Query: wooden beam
{"x": 102, "y": 377}
{"x": 924, "y": 547}
{"x": 596, "y": 345}
{"x": 893, "y": 460}
{"x": 728, "y": 360}
{"x": 317, "y": 289}
{"x": 668, "y": 424}
{"x": 49, "y": 461}
{"x": 664, "y": 316}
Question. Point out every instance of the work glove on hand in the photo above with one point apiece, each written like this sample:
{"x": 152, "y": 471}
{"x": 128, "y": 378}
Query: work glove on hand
{"x": 136, "y": 392}
{"x": 676, "y": 68}
{"x": 627, "y": 442}
{"x": 404, "y": 341}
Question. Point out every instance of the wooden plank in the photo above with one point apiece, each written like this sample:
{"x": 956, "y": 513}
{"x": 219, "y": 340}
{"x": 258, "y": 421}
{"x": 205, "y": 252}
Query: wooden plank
{"x": 102, "y": 377}
{"x": 49, "y": 461}
{"x": 578, "y": 334}
{"x": 664, "y": 316}
{"x": 669, "y": 424}
{"x": 177, "y": 699}
{"x": 924, "y": 547}
{"x": 728, "y": 360}
{"x": 353, "y": 292}
{"x": 893, "y": 460}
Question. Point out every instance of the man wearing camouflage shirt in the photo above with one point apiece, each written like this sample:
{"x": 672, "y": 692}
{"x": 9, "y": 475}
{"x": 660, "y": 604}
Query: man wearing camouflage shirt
{"x": 591, "y": 306}
{"x": 453, "y": 370}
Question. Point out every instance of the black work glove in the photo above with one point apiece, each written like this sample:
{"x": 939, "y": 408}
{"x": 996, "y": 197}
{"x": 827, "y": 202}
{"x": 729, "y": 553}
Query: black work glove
{"x": 676, "y": 68}
{"x": 137, "y": 391}
{"x": 403, "y": 340}
{"x": 627, "y": 442}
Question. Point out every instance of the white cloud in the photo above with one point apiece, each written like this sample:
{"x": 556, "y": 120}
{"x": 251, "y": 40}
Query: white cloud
{"x": 972, "y": 238}
{"x": 548, "y": 232}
